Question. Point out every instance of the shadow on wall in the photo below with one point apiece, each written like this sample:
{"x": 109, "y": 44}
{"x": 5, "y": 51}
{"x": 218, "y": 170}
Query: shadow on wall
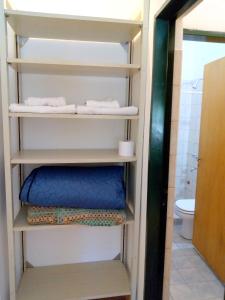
{"x": 4, "y": 291}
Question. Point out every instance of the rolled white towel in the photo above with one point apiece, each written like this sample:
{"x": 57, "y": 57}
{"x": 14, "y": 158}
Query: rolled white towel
{"x": 49, "y": 101}
{"x": 105, "y": 104}
{"x": 85, "y": 110}
{"x": 21, "y": 108}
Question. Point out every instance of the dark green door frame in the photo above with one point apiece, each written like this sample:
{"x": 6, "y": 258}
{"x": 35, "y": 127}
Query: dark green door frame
{"x": 158, "y": 166}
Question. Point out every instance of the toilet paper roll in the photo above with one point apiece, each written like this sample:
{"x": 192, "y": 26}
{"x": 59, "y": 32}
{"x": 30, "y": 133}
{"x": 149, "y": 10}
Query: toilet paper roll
{"x": 126, "y": 148}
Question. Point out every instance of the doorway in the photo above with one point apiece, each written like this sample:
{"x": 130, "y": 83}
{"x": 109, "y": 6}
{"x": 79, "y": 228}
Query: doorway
{"x": 165, "y": 87}
{"x": 190, "y": 276}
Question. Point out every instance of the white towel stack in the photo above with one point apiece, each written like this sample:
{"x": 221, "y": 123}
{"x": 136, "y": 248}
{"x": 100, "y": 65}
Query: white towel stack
{"x": 109, "y": 103}
{"x": 41, "y": 109}
{"x": 58, "y": 106}
{"x": 123, "y": 111}
{"x": 107, "y": 107}
{"x": 57, "y": 101}
{"x": 55, "y": 105}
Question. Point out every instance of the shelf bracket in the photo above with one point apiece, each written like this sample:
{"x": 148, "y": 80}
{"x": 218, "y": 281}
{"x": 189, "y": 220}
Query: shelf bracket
{"x": 14, "y": 165}
{"x": 22, "y": 41}
{"x": 125, "y": 45}
{"x": 118, "y": 257}
{"x": 29, "y": 265}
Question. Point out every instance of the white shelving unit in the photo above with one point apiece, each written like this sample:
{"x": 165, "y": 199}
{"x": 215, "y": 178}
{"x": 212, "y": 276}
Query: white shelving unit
{"x": 93, "y": 280}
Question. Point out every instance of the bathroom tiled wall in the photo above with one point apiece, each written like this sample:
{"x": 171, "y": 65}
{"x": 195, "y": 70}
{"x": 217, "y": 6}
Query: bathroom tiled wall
{"x": 188, "y": 138}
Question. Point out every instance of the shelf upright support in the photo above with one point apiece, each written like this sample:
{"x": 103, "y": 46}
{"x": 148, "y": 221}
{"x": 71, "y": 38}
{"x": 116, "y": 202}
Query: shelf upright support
{"x": 127, "y": 136}
{"x": 20, "y": 42}
{"x": 7, "y": 151}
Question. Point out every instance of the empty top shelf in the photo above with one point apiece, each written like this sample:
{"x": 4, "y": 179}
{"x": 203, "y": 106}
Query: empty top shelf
{"x": 69, "y": 27}
{"x": 56, "y": 66}
{"x": 92, "y": 280}
{"x": 69, "y": 156}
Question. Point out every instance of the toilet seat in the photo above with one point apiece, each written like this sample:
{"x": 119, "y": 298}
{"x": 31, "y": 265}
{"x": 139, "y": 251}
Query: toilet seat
{"x": 186, "y": 206}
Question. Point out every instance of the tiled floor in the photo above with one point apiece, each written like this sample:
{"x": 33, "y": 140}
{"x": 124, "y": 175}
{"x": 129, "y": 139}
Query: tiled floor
{"x": 191, "y": 279}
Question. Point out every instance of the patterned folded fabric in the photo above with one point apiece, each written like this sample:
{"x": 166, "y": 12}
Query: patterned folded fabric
{"x": 37, "y": 215}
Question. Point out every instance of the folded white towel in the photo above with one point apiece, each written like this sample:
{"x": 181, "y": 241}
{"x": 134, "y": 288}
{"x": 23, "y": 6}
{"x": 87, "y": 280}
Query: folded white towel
{"x": 85, "y": 110}
{"x": 21, "y": 108}
{"x": 107, "y": 104}
{"x": 57, "y": 101}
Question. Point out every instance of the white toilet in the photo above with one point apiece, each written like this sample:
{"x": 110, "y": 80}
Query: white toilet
{"x": 185, "y": 209}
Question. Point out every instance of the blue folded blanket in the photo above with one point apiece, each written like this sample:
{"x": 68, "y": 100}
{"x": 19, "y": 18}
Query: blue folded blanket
{"x": 79, "y": 187}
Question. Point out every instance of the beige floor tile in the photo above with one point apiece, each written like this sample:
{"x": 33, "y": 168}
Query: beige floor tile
{"x": 192, "y": 275}
{"x": 191, "y": 278}
{"x": 171, "y": 298}
{"x": 184, "y": 245}
{"x": 183, "y": 262}
{"x": 207, "y": 273}
{"x": 184, "y": 252}
{"x": 175, "y": 247}
{"x": 207, "y": 290}
{"x": 196, "y": 261}
{"x": 178, "y": 238}
{"x": 181, "y": 292}
{"x": 176, "y": 278}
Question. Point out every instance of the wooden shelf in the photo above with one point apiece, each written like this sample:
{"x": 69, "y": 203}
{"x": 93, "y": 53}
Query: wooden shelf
{"x": 91, "y": 280}
{"x": 69, "y": 156}
{"x": 21, "y": 223}
{"x": 71, "y": 116}
{"x": 56, "y": 66}
{"x": 69, "y": 27}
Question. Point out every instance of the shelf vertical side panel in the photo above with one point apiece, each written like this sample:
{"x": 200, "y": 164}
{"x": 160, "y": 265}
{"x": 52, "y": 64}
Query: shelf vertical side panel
{"x": 142, "y": 130}
{"x": 131, "y": 239}
{"x": 137, "y": 277}
{"x": 7, "y": 151}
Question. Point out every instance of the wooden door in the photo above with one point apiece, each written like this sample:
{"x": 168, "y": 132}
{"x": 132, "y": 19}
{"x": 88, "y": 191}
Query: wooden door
{"x": 209, "y": 224}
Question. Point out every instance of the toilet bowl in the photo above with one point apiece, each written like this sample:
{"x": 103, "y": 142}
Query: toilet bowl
{"x": 185, "y": 209}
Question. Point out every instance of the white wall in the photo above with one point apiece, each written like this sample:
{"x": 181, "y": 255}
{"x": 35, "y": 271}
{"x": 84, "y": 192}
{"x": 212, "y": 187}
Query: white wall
{"x": 197, "y": 55}
{"x": 207, "y": 16}
{"x": 3, "y": 240}
{"x": 78, "y": 244}
{"x": 124, "y": 9}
